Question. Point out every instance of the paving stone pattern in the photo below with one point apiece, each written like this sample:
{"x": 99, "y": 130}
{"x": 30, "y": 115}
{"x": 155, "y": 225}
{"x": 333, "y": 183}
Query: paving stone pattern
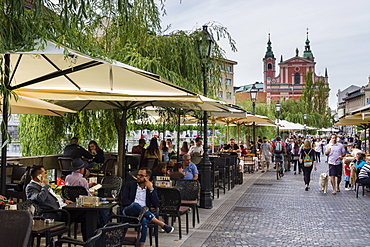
{"x": 281, "y": 213}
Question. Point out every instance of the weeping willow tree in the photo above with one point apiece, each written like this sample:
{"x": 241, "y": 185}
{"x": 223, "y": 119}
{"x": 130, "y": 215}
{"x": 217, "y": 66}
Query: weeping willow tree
{"x": 125, "y": 30}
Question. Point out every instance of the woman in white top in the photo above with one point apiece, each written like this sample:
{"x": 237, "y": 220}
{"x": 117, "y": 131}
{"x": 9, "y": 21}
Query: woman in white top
{"x": 317, "y": 148}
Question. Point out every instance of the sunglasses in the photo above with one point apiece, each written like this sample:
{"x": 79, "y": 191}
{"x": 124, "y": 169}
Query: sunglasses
{"x": 140, "y": 175}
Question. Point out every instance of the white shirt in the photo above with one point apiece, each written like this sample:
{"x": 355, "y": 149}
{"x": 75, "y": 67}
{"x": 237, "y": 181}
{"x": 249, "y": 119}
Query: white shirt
{"x": 196, "y": 149}
{"x": 140, "y": 197}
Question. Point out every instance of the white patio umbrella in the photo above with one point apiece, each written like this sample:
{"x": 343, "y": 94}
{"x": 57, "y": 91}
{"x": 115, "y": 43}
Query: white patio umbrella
{"x": 25, "y": 105}
{"x": 55, "y": 72}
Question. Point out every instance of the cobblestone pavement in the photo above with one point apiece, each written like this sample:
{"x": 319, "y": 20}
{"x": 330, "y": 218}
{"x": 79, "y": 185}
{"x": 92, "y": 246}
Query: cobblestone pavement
{"x": 270, "y": 212}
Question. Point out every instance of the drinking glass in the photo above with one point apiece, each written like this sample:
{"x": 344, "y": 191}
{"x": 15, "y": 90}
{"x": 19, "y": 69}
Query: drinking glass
{"x": 114, "y": 194}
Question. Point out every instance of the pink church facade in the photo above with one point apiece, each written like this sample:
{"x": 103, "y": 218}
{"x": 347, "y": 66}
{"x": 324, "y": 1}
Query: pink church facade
{"x": 291, "y": 78}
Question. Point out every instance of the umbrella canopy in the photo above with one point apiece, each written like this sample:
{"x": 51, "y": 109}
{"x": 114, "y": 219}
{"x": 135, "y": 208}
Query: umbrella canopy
{"x": 55, "y": 67}
{"x": 25, "y": 105}
{"x": 354, "y": 120}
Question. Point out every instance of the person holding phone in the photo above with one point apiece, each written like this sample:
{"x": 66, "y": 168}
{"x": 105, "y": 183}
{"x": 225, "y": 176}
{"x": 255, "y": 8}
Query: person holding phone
{"x": 39, "y": 190}
{"x": 139, "y": 194}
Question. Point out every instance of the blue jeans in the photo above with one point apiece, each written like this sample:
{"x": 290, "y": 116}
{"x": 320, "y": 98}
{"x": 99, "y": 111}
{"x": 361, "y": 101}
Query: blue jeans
{"x": 280, "y": 157}
{"x": 134, "y": 209}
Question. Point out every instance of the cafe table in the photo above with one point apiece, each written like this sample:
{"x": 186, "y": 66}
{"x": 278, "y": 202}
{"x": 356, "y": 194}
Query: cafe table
{"x": 39, "y": 226}
{"x": 91, "y": 214}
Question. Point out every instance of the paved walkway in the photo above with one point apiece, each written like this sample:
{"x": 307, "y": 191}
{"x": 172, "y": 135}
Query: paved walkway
{"x": 269, "y": 212}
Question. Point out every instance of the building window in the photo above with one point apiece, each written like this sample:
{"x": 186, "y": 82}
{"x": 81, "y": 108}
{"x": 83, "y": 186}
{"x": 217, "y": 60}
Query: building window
{"x": 228, "y": 82}
{"x": 297, "y": 78}
{"x": 220, "y": 94}
{"x": 228, "y": 95}
{"x": 229, "y": 68}
{"x": 269, "y": 66}
{"x": 367, "y": 101}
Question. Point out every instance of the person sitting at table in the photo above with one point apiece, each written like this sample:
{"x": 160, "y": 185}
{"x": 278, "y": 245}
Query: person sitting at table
{"x": 164, "y": 151}
{"x": 232, "y": 148}
{"x": 97, "y": 152}
{"x": 139, "y": 149}
{"x": 170, "y": 147}
{"x": 196, "y": 151}
{"x": 189, "y": 169}
{"x": 364, "y": 174}
{"x": 38, "y": 190}
{"x": 252, "y": 148}
{"x": 77, "y": 179}
{"x": 185, "y": 148}
{"x": 160, "y": 170}
{"x": 198, "y": 147}
{"x": 76, "y": 151}
{"x": 243, "y": 150}
{"x": 139, "y": 194}
{"x": 153, "y": 151}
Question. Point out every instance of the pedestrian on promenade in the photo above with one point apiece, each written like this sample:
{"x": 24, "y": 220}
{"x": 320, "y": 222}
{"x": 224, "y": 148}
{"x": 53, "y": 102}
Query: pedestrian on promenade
{"x": 317, "y": 147}
{"x": 335, "y": 152}
{"x": 266, "y": 154}
{"x": 308, "y": 158}
{"x": 347, "y": 174}
{"x": 296, "y": 152}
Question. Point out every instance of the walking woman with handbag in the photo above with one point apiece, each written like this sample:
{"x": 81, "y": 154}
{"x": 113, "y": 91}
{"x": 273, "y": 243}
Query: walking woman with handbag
{"x": 308, "y": 158}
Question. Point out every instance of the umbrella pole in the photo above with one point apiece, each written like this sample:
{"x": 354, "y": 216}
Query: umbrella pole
{"x": 238, "y": 134}
{"x": 213, "y": 137}
{"x": 123, "y": 150}
{"x": 178, "y": 134}
{"x": 4, "y": 129}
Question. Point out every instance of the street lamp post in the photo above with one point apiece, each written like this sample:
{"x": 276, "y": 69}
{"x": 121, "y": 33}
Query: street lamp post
{"x": 305, "y": 119}
{"x": 278, "y": 107}
{"x": 253, "y": 93}
{"x": 205, "y": 49}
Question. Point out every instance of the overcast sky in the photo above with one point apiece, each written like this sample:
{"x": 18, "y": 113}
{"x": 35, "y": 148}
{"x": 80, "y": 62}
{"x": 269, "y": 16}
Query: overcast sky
{"x": 339, "y": 32}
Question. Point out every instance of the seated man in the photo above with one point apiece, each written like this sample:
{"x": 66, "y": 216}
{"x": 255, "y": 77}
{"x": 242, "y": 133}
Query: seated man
{"x": 232, "y": 148}
{"x": 76, "y": 178}
{"x": 139, "y": 194}
{"x": 76, "y": 151}
{"x": 188, "y": 168}
{"x": 39, "y": 190}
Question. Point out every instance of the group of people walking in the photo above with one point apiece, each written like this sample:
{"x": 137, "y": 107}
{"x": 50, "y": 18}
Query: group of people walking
{"x": 303, "y": 155}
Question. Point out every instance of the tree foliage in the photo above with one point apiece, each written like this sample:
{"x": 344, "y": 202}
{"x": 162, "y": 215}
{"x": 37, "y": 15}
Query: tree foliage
{"x": 129, "y": 31}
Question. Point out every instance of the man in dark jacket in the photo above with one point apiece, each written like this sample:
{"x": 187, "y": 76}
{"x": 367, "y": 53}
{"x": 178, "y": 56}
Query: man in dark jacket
{"x": 74, "y": 150}
{"x": 138, "y": 194}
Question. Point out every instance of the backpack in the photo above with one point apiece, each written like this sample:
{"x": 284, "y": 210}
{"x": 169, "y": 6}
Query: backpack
{"x": 307, "y": 161}
{"x": 278, "y": 147}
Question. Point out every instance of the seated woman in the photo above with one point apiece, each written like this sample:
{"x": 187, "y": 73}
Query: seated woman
{"x": 243, "y": 150}
{"x": 153, "y": 151}
{"x": 164, "y": 151}
{"x": 364, "y": 174}
{"x": 160, "y": 170}
{"x": 185, "y": 148}
{"x": 98, "y": 154}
